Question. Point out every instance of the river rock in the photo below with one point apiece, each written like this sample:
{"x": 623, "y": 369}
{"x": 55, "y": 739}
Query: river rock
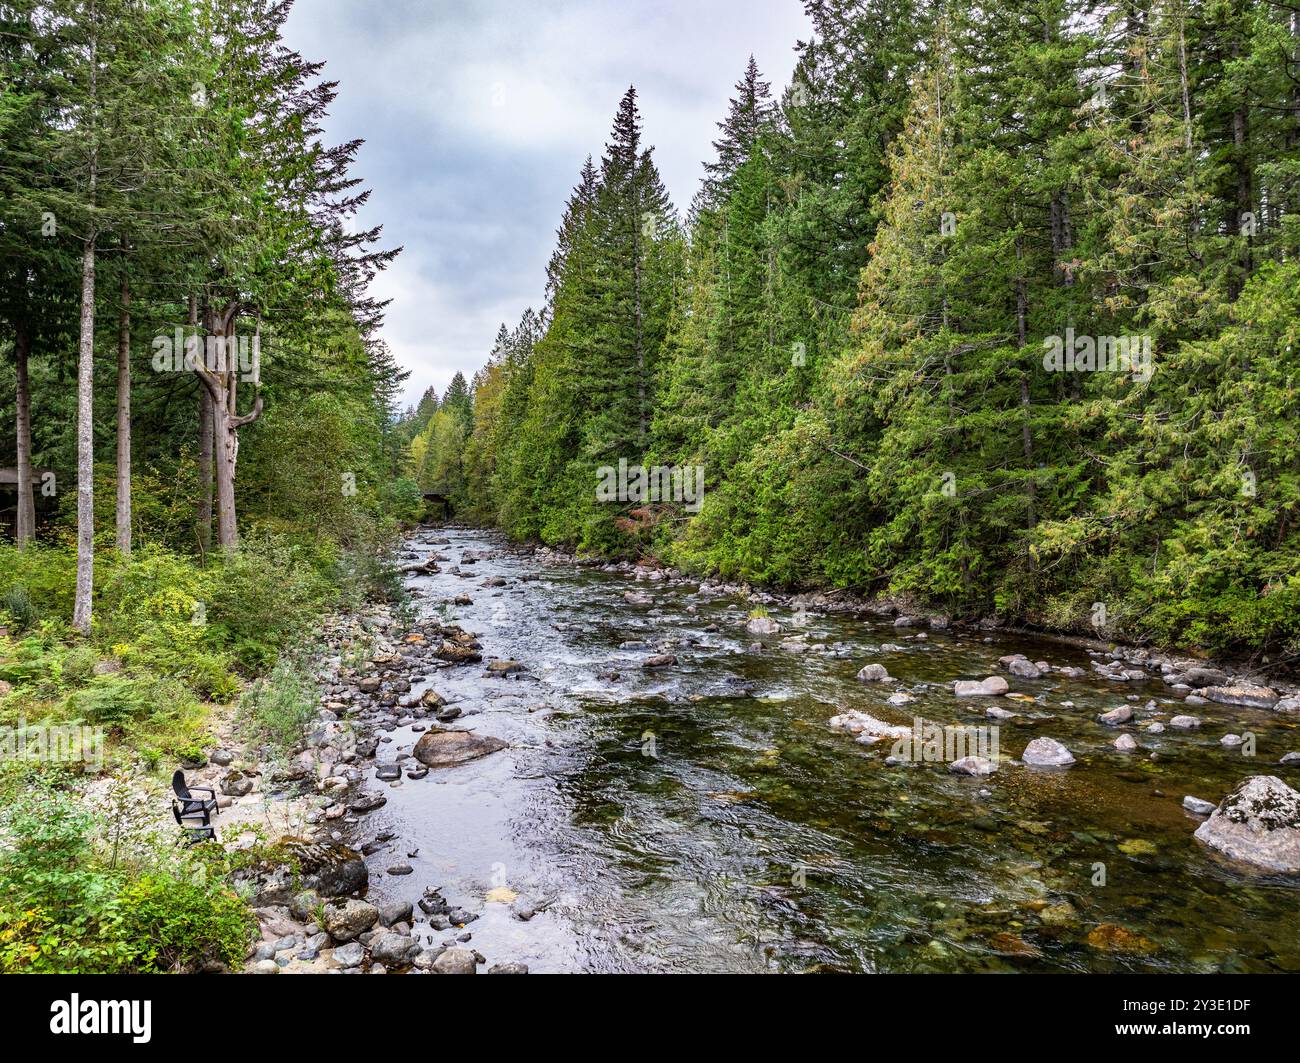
{"x": 1287, "y": 705}
{"x": 874, "y": 673}
{"x": 502, "y": 668}
{"x": 349, "y": 955}
{"x": 1200, "y": 677}
{"x": 1198, "y": 806}
{"x": 1257, "y": 824}
{"x": 972, "y": 766}
{"x": 393, "y": 949}
{"x": 762, "y": 625}
{"x": 237, "y": 784}
{"x": 995, "y": 713}
{"x": 1115, "y": 717}
{"x": 1186, "y": 723}
{"x": 1019, "y": 664}
{"x": 867, "y": 726}
{"x": 508, "y": 968}
{"x": 441, "y": 749}
{"x": 1047, "y": 753}
{"x": 348, "y": 920}
{"x": 1125, "y": 743}
{"x": 395, "y": 912}
{"x": 455, "y": 961}
{"x": 991, "y": 687}
{"x": 431, "y": 699}
{"x": 659, "y": 660}
{"x": 304, "y": 905}
{"x": 1253, "y": 697}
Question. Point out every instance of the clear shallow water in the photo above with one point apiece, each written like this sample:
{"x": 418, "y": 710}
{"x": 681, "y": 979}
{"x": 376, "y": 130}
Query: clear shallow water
{"x": 665, "y": 821}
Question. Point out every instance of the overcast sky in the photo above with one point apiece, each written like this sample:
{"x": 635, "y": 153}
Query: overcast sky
{"x": 477, "y": 116}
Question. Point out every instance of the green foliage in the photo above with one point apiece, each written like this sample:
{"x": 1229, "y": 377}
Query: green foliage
{"x": 181, "y": 924}
{"x": 63, "y": 909}
{"x": 279, "y": 707}
{"x": 267, "y": 593}
{"x": 851, "y": 337}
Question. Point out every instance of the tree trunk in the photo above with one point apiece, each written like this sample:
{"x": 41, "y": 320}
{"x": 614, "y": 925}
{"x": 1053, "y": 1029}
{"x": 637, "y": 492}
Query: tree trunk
{"x": 226, "y": 446}
{"x": 205, "y": 453}
{"x": 124, "y": 420}
{"x": 1026, "y": 411}
{"x": 81, "y": 610}
{"x": 26, "y": 497}
{"x": 222, "y": 384}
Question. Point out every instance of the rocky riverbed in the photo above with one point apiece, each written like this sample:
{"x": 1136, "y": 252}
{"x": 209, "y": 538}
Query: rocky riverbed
{"x": 557, "y": 765}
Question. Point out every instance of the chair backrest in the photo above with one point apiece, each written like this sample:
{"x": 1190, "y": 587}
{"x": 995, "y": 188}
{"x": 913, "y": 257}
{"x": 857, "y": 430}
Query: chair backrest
{"x": 178, "y": 786}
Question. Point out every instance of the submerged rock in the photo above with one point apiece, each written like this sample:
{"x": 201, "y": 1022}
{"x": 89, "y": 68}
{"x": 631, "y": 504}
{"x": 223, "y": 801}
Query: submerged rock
{"x": 1257, "y": 824}
{"x": 1115, "y": 717}
{"x": 1047, "y": 753}
{"x": 866, "y": 725}
{"x": 442, "y": 749}
{"x": 1109, "y": 937}
{"x": 973, "y": 766}
{"x": 1186, "y": 723}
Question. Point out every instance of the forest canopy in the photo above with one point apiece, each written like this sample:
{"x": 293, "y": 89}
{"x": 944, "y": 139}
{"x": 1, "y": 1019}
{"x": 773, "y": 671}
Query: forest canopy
{"x": 992, "y": 307}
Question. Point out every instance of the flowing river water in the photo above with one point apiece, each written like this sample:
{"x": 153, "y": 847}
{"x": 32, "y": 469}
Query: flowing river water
{"x": 705, "y": 816}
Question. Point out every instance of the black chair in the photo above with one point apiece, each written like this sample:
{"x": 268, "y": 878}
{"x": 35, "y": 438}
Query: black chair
{"x": 193, "y": 814}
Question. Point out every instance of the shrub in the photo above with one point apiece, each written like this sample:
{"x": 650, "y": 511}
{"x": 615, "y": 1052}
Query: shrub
{"x": 17, "y": 604}
{"x": 263, "y": 596}
{"x": 184, "y": 924}
{"x": 280, "y": 706}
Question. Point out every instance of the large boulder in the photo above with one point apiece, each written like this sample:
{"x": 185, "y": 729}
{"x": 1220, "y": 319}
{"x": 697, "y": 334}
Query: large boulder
{"x": 329, "y": 869}
{"x": 442, "y": 749}
{"x": 1257, "y": 824}
{"x": 991, "y": 687}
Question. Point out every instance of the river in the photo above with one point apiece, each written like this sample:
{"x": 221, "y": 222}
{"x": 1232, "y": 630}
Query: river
{"x": 705, "y": 816}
